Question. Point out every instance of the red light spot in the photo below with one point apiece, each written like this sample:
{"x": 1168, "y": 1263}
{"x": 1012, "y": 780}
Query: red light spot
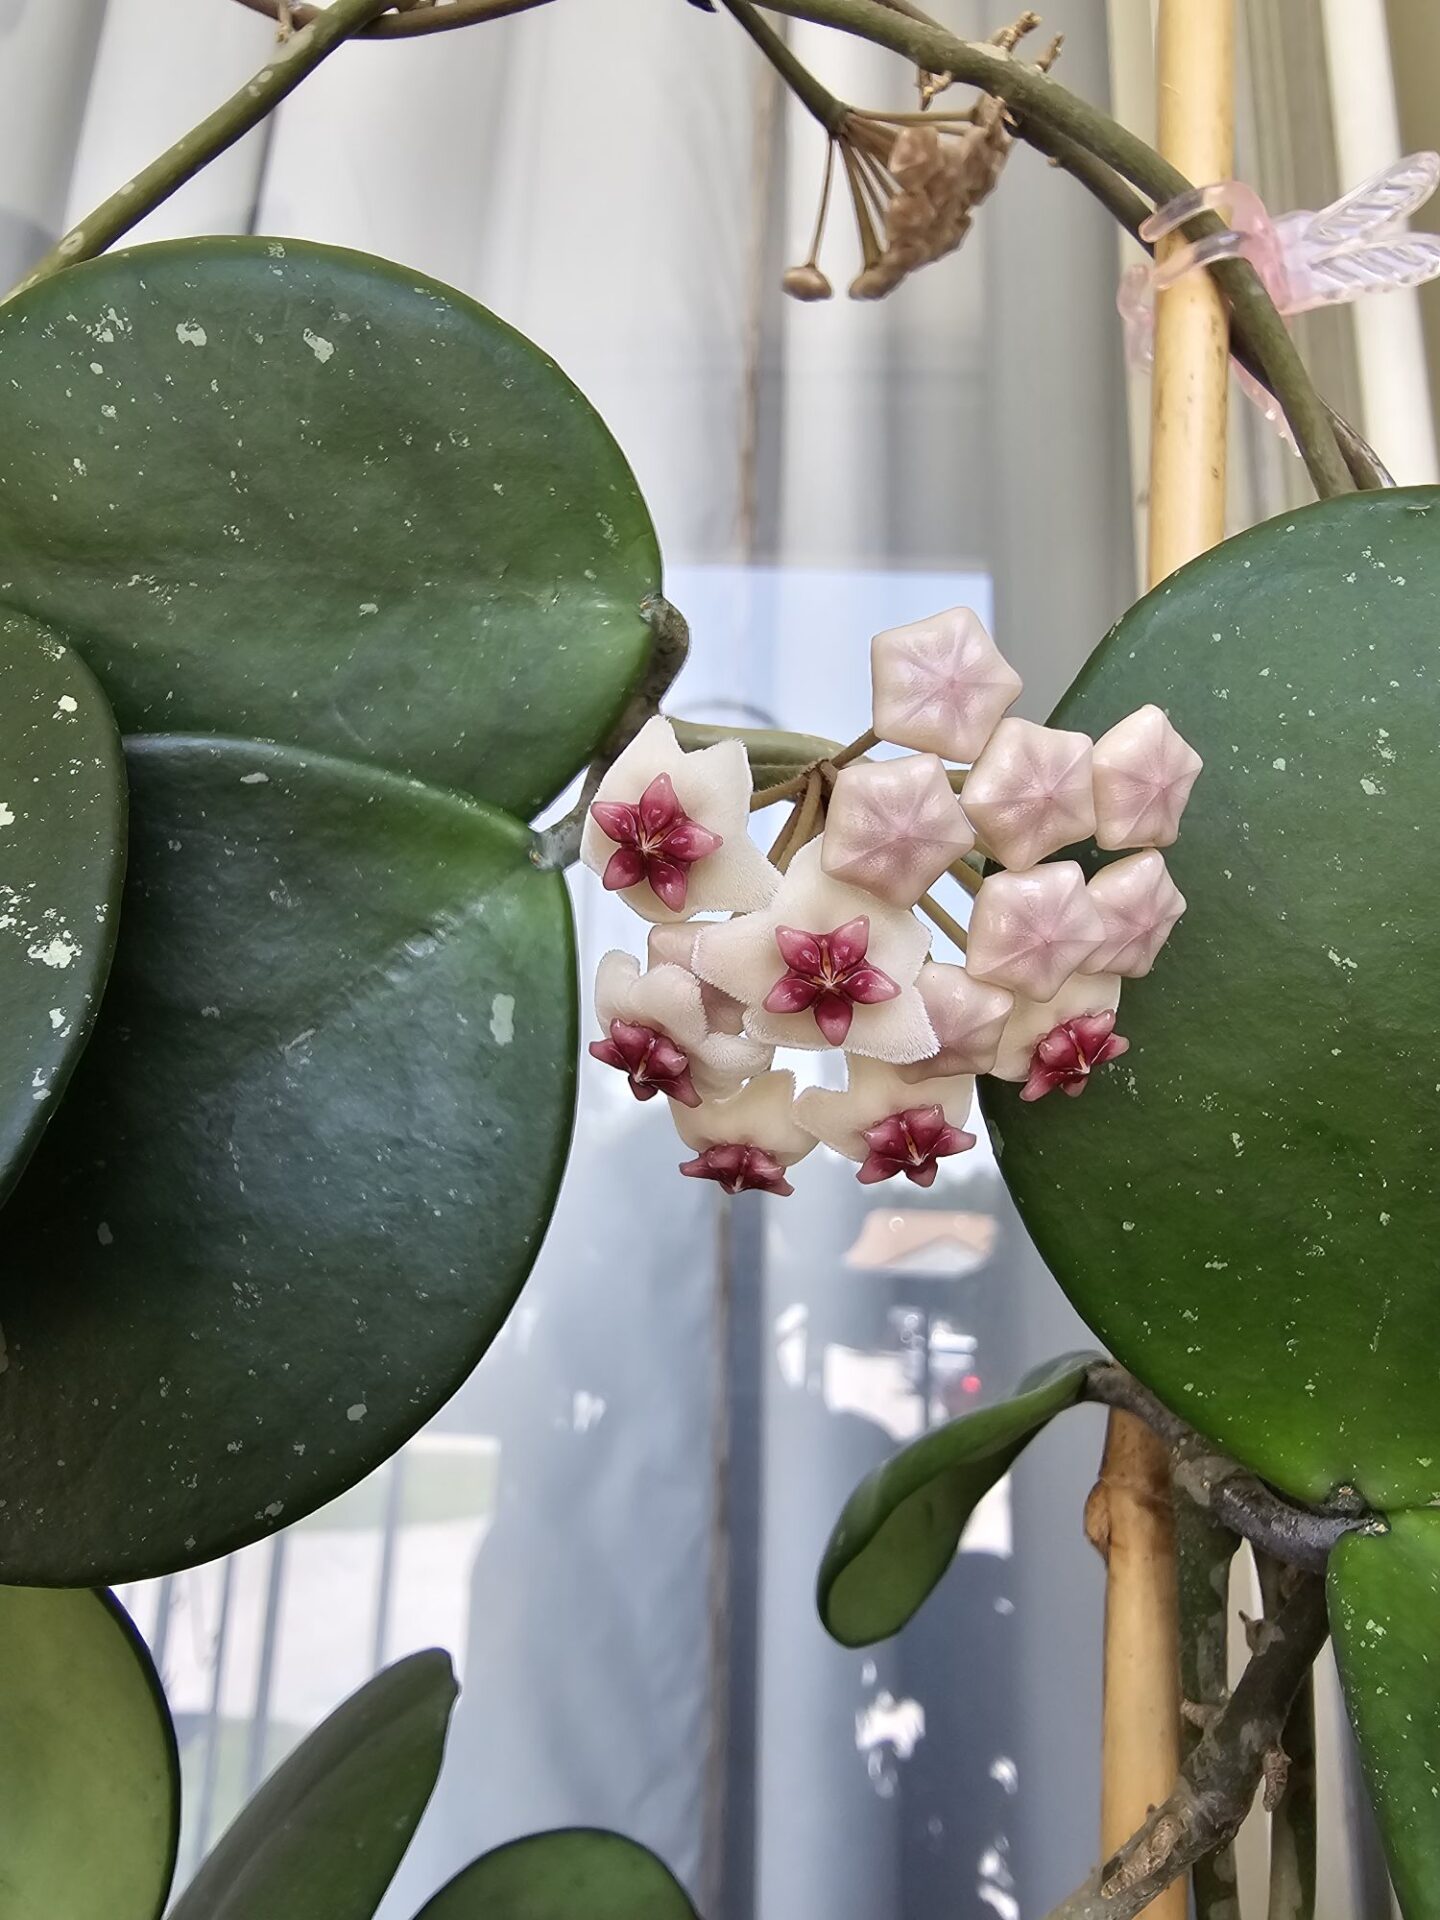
{"x": 970, "y": 1383}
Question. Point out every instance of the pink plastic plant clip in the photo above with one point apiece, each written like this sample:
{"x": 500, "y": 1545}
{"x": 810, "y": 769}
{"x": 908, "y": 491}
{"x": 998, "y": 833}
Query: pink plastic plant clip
{"x": 1355, "y": 246}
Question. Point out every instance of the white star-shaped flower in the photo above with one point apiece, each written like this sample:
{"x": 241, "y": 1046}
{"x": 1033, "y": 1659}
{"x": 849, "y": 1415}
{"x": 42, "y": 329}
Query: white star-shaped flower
{"x": 1029, "y": 793}
{"x": 636, "y": 1011}
{"x": 1139, "y": 903}
{"x": 876, "y": 1092}
{"x": 747, "y": 1140}
{"x": 670, "y": 831}
{"x": 1082, "y": 995}
{"x": 968, "y": 1016}
{"x": 823, "y": 965}
{"x": 1143, "y": 773}
{"x": 1029, "y": 931}
{"x": 940, "y": 685}
{"x": 893, "y": 827}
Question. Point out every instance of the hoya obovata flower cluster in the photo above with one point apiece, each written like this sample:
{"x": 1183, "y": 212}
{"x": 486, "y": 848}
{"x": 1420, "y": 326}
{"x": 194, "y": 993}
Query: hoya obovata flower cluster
{"x": 823, "y": 948}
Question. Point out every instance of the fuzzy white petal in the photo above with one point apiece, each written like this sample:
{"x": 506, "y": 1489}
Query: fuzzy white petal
{"x": 714, "y": 787}
{"x": 761, "y": 1114}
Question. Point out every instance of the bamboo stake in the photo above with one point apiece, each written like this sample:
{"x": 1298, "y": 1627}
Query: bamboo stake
{"x": 1130, "y": 1515}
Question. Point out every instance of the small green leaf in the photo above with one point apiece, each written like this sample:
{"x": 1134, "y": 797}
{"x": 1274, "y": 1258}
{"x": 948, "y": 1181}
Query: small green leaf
{"x": 1384, "y": 1594}
{"x": 574, "y": 1873}
{"x": 322, "y": 1838}
{"x": 900, "y": 1528}
{"x": 773, "y": 757}
{"x": 293, "y": 493}
{"x": 1245, "y": 1208}
{"x": 89, "y": 1774}
{"x": 305, "y": 1165}
{"x": 62, "y": 861}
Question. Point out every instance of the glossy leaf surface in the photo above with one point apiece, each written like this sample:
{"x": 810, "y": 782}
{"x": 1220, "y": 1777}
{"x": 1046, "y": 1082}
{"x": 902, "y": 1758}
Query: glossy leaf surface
{"x": 900, "y": 1528}
{"x": 89, "y": 1774}
{"x": 283, "y": 491}
{"x": 62, "y": 862}
{"x": 1246, "y": 1207}
{"x": 305, "y": 1166}
{"x": 1384, "y": 1593}
{"x": 325, "y": 1833}
{"x": 574, "y": 1873}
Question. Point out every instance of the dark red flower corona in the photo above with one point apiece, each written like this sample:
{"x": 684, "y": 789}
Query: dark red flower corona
{"x": 913, "y": 1143}
{"x": 739, "y": 1169}
{"x": 827, "y": 975}
{"x": 1069, "y": 1054}
{"x": 656, "y": 841}
{"x": 651, "y": 1059}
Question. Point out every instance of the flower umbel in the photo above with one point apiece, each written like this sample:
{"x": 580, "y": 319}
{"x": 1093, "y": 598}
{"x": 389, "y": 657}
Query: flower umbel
{"x": 912, "y": 1142}
{"x": 1069, "y": 1054}
{"x": 656, "y": 840}
{"x": 653, "y": 1063}
{"x": 827, "y": 974}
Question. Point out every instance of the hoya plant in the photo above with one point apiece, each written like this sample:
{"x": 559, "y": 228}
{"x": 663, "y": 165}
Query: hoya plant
{"x": 318, "y": 585}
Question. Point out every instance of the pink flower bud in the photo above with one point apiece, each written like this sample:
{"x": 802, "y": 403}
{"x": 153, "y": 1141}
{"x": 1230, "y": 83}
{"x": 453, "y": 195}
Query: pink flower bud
{"x": 1030, "y": 931}
{"x": 1140, "y": 904}
{"x": 893, "y": 827}
{"x": 940, "y": 685}
{"x": 1029, "y": 793}
{"x": 1143, "y": 773}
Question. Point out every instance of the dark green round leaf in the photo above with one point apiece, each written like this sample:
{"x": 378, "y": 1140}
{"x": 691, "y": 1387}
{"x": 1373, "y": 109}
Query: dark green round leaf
{"x": 304, "y": 1167}
{"x": 575, "y": 1873}
{"x": 1384, "y": 1593}
{"x": 322, "y": 1838}
{"x": 900, "y": 1528}
{"x": 1246, "y": 1207}
{"x": 89, "y": 1774}
{"x": 62, "y": 860}
{"x": 293, "y": 493}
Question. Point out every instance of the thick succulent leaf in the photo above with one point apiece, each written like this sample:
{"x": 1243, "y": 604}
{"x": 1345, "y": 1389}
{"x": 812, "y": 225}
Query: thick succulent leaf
{"x": 89, "y": 1774}
{"x": 574, "y": 1873}
{"x": 1384, "y": 1593}
{"x": 304, "y": 1167}
{"x": 283, "y": 491}
{"x": 62, "y": 861}
{"x": 322, "y": 1838}
{"x": 1246, "y": 1207}
{"x": 773, "y": 756}
{"x": 899, "y": 1529}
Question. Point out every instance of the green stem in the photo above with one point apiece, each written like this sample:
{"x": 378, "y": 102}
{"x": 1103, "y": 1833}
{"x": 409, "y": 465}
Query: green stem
{"x": 1129, "y": 210}
{"x": 287, "y": 67}
{"x": 1292, "y": 1818}
{"x": 936, "y": 914}
{"x": 829, "y": 111}
{"x": 802, "y": 826}
{"x": 1204, "y": 1549}
{"x": 1037, "y": 101}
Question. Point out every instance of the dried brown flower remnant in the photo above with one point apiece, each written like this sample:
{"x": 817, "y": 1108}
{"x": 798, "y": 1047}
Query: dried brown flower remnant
{"x": 915, "y": 182}
{"x": 806, "y": 283}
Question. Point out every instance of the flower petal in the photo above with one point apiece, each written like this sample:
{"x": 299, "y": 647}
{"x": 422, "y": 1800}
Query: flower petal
{"x": 625, "y": 868}
{"x": 660, "y": 807}
{"x": 616, "y": 821}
